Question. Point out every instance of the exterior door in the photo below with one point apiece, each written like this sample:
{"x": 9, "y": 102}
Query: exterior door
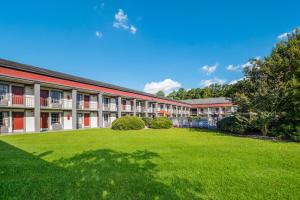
{"x": 44, "y": 98}
{"x": 44, "y": 120}
{"x": 18, "y": 121}
{"x": 86, "y": 119}
{"x": 86, "y": 101}
{"x": 17, "y": 95}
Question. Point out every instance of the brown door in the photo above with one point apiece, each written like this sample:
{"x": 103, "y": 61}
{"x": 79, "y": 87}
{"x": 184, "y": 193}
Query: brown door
{"x": 44, "y": 120}
{"x": 17, "y": 95}
{"x": 18, "y": 120}
{"x": 44, "y": 98}
{"x": 86, "y": 101}
{"x": 86, "y": 119}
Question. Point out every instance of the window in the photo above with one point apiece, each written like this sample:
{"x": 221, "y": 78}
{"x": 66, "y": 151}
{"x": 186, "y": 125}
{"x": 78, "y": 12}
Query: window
{"x": 55, "y": 118}
{"x": 3, "y": 119}
{"x": 3, "y": 92}
{"x": 55, "y": 96}
{"x": 105, "y": 116}
{"x": 106, "y": 100}
{"x": 3, "y": 89}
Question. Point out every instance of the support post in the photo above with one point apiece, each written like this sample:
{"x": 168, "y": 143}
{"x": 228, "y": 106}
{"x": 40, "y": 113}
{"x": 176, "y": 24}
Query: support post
{"x": 37, "y": 107}
{"x": 134, "y": 107}
{"x": 156, "y": 109}
{"x": 100, "y": 110}
{"x": 119, "y": 107}
{"x": 146, "y": 108}
{"x": 74, "y": 109}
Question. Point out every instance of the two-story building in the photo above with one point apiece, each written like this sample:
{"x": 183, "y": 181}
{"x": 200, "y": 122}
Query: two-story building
{"x": 34, "y": 99}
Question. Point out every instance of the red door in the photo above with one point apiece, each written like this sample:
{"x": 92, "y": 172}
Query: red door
{"x": 86, "y": 119}
{"x": 44, "y": 120}
{"x": 44, "y": 98}
{"x": 18, "y": 121}
{"x": 17, "y": 95}
{"x": 86, "y": 101}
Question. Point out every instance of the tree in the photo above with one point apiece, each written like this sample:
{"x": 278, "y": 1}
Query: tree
{"x": 160, "y": 93}
{"x": 271, "y": 86}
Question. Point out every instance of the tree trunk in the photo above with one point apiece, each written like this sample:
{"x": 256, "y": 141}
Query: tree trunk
{"x": 264, "y": 130}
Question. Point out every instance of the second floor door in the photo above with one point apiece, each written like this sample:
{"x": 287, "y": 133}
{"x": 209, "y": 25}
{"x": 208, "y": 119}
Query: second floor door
{"x": 17, "y": 95}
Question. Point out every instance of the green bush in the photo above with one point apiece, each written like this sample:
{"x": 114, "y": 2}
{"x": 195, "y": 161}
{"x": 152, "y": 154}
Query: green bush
{"x": 161, "y": 123}
{"x": 147, "y": 121}
{"x": 233, "y": 124}
{"x": 128, "y": 123}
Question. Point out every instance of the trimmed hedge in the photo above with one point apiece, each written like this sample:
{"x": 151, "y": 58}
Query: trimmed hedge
{"x": 161, "y": 123}
{"x": 128, "y": 123}
{"x": 147, "y": 121}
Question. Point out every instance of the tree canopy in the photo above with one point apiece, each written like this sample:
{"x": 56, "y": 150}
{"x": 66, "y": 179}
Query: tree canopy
{"x": 214, "y": 90}
{"x": 270, "y": 91}
{"x": 160, "y": 93}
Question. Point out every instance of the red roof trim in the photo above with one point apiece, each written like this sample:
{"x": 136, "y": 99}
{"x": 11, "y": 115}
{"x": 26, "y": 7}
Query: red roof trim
{"x": 52, "y": 80}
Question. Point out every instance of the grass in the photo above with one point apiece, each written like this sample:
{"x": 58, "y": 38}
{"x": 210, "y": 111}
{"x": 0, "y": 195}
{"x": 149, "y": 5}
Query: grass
{"x": 146, "y": 164}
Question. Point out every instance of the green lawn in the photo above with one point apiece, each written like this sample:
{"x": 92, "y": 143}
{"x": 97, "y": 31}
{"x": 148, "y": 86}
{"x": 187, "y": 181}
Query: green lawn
{"x": 146, "y": 164}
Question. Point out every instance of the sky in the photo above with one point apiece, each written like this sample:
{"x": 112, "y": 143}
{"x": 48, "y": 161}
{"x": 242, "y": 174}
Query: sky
{"x": 145, "y": 45}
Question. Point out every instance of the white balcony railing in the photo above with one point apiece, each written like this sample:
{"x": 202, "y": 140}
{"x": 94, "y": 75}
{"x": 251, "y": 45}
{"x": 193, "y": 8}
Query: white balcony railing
{"x": 29, "y": 101}
{"x": 93, "y": 105}
{"x": 110, "y": 107}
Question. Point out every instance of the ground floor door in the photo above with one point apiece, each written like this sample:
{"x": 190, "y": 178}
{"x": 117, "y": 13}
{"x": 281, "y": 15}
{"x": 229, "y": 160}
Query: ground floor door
{"x": 86, "y": 119}
{"x": 18, "y": 121}
{"x": 44, "y": 120}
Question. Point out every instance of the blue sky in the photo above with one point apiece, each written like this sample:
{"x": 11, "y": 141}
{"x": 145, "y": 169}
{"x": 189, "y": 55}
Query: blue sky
{"x": 166, "y": 44}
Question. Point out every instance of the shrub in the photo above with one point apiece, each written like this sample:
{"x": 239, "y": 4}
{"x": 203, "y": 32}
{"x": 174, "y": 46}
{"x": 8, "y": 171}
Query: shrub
{"x": 161, "y": 123}
{"x": 233, "y": 124}
{"x": 147, "y": 121}
{"x": 128, "y": 123}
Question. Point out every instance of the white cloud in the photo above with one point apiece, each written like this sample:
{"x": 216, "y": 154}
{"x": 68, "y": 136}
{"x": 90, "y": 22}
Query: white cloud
{"x": 233, "y": 67}
{"x": 209, "y": 69}
{"x": 209, "y": 82}
{"x": 238, "y": 68}
{"x": 235, "y": 81}
{"x": 285, "y": 35}
{"x": 132, "y": 29}
{"x": 247, "y": 64}
{"x": 167, "y": 86}
{"x": 99, "y": 34}
{"x": 121, "y": 22}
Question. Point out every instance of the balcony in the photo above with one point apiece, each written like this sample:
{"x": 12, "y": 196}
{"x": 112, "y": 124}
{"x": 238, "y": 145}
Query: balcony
{"x": 109, "y": 107}
{"x": 140, "y": 109}
{"x": 16, "y": 100}
{"x": 127, "y": 108}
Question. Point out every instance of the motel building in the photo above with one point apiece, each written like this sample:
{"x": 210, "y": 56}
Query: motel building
{"x": 34, "y": 99}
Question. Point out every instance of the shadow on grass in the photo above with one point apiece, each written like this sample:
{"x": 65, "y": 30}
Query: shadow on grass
{"x": 99, "y": 174}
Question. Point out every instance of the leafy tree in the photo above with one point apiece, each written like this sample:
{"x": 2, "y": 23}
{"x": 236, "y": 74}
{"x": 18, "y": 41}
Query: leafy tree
{"x": 160, "y": 93}
{"x": 270, "y": 90}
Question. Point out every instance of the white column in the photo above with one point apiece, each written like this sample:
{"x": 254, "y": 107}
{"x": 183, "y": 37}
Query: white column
{"x": 100, "y": 110}
{"x": 74, "y": 109}
{"x": 37, "y": 107}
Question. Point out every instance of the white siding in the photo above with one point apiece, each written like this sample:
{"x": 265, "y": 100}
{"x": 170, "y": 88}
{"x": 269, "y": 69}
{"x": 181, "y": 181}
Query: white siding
{"x": 67, "y": 100}
{"x": 29, "y": 121}
{"x": 113, "y": 117}
{"x": 93, "y": 120}
{"x": 67, "y": 120}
